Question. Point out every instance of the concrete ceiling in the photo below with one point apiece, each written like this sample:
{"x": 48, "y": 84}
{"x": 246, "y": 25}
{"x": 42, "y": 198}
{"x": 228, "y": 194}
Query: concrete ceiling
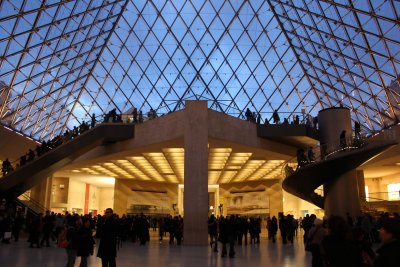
{"x": 228, "y": 162}
{"x": 98, "y": 181}
{"x": 386, "y": 163}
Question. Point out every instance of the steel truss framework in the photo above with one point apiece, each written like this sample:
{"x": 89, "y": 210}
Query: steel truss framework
{"x": 64, "y": 60}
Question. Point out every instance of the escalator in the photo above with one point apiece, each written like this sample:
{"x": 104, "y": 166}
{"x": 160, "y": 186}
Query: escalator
{"x": 32, "y": 206}
{"x": 304, "y": 181}
{"x": 32, "y": 173}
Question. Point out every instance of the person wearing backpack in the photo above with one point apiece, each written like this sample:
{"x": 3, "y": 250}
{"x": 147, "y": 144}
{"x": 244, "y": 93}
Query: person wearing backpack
{"x": 72, "y": 239}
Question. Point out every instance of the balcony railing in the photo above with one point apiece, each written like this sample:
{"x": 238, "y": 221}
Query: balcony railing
{"x": 327, "y": 151}
{"x": 383, "y": 196}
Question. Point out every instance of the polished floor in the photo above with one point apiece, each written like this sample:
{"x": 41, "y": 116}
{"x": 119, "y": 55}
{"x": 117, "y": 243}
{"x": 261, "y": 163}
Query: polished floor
{"x": 163, "y": 255}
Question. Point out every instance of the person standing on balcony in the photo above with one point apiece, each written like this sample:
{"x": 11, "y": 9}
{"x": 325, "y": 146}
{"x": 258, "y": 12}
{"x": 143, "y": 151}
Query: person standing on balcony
{"x": 357, "y": 130}
{"x": 248, "y": 114}
{"x": 135, "y": 115}
{"x": 342, "y": 139}
{"x": 6, "y": 167}
{"x": 275, "y": 117}
{"x": 93, "y": 121}
{"x": 140, "y": 116}
{"x": 296, "y": 120}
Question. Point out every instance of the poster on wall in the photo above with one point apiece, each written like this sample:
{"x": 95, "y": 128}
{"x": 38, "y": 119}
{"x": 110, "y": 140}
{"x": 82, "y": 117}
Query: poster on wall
{"x": 247, "y": 204}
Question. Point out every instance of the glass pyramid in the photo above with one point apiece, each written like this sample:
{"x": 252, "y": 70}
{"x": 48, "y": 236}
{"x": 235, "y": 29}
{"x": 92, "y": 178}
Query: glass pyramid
{"x": 61, "y": 61}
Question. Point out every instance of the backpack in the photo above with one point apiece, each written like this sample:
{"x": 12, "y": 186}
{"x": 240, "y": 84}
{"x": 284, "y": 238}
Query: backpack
{"x": 62, "y": 241}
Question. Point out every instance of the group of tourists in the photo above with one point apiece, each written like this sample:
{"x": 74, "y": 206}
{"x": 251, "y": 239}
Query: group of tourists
{"x": 231, "y": 230}
{"x": 68, "y": 135}
{"x": 137, "y": 116}
{"x": 251, "y": 116}
{"x": 338, "y": 241}
{"x": 77, "y": 234}
{"x": 47, "y": 146}
{"x": 275, "y": 118}
{"x": 333, "y": 241}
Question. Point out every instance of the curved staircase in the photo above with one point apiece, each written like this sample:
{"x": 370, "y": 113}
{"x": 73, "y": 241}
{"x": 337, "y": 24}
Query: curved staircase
{"x": 304, "y": 181}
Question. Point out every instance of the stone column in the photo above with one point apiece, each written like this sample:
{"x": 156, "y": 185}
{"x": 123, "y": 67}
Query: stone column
{"x": 361, "y": 185}
{"x": 42, "y": 193}
{"x": 121, "y": 192}
{"x": 341, "y": 194}
{"x": 275, "y": 197}
{"x": 196, "y": 173}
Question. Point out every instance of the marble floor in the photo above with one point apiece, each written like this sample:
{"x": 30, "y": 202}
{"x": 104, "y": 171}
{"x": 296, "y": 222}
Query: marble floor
{"x": 163, "y": 255}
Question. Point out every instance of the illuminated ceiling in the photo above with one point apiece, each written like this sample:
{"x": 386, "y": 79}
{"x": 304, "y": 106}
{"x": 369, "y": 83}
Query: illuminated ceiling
{"x": 225, "y": 165}
{"x": 62, "y": 60}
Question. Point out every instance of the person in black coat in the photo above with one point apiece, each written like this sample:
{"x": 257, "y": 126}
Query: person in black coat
{"x": 143, "y": 229}
{"x": 272, "y": 229}
{"x": 283, "y": 227}
{"x": 178, "y": 229}
{"x": 17, "y": 226}
{"x": 227, "y": 234}
{"x": 48, "y": 224}
{"x": 85, "y": 242}
{"x": 34, "y": 231}
{"x": 108, "y": 240}
{"x": 338, "y": 247}
{"x": 389, "y": 252}
{"x": 213, "y": 231}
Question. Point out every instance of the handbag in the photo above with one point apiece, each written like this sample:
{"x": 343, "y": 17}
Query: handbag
{"x": 62, "y": 241}
{"x": 7, "y": 235}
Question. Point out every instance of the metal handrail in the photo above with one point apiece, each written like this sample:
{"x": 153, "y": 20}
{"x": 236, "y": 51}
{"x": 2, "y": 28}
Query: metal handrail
{"x": 380, "y": 198}
{"x": 327, "y": 151}
{"x": 31, "y": 204}
{"x": 15, "y": 164}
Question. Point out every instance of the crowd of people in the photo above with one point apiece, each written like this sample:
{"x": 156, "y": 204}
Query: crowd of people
{"x": 305, "y": 157}
{"x": 68, "y": 135}
{"x": 275, "y": 118}
{"x": 338, "y": 241}
{"x": 233, "y": 230}
{"x": 333, "y": 241}
{"x": 47, "y": 146}
{"x": 137, "y": 117}
{"x": 78, "y": 234}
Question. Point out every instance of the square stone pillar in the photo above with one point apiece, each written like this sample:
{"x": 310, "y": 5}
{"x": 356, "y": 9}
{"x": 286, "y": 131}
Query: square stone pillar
{"x": 196, "y": 173}
{"x": 361, "y": 185}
